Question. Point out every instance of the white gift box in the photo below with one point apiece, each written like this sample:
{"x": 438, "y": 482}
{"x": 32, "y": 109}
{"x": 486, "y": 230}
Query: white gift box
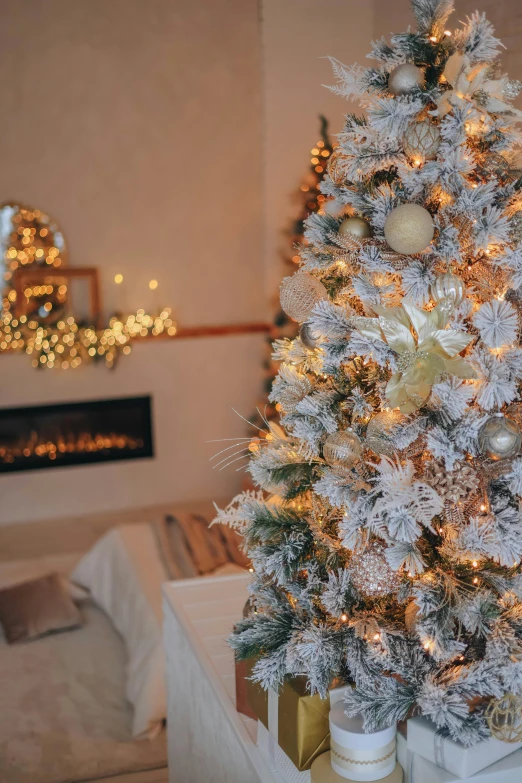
{"x": 359, "y": 755}
{"x": 460, "y": 762}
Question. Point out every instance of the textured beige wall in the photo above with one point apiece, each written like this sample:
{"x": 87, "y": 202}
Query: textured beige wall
{"x": 138, "y": 126}
{"x": 297, "y": 37}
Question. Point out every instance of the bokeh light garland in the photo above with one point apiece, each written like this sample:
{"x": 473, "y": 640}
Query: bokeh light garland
{"x": 67, "y": 345}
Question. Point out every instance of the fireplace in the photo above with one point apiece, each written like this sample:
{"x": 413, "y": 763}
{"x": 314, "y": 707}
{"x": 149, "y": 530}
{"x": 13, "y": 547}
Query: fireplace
{"x": 79, "y": 433}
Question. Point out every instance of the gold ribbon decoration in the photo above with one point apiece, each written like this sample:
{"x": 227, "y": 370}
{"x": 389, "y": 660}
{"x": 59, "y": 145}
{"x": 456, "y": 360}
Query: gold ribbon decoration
{"x": 471, "y": 83}
{"x": 375, "y": 759}
{"x": 425, "y": 348}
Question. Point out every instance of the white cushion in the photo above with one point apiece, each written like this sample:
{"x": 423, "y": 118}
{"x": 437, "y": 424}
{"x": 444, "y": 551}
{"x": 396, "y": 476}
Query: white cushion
{"x": 124, "y": 573}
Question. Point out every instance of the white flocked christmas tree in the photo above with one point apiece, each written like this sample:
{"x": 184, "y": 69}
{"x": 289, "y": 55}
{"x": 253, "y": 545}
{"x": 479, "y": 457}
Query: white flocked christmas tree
{"x": 386, "y": 534}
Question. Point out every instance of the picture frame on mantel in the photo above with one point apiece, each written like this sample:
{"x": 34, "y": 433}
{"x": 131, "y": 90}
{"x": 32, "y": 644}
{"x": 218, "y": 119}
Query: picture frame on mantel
{"x": 47, "y": 294}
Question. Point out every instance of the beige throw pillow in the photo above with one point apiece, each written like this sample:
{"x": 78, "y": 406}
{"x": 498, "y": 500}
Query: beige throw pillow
{"x": 37, "y": 608}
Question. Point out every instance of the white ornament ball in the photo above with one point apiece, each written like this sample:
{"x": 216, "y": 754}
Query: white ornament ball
{"x": 381, "y": 429}
{"x": 448, "y": 286}
{"x": 404, "y": 79}
{"x": 500, "y": 438}
{"x": 299, "y": 295}
{"x": 308, "y": 337}
{"x": 342, "y": 449}
{"x": 355, "y": 226}
{"x": 409, "y": 229}
{"x": 421, "y": 141}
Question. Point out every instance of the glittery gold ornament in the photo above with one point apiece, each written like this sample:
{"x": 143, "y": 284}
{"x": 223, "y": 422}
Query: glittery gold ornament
{"x": 404, "y": 79}
{"x": 308, "y": 337}
{"x": 370, "y": 573}
{"x": 453, "y": 486}
{"x": 409, "y": 229}
{"x": 504, "y": 718}
{"x": 448, "y": 286}
{"x": 380, "y": 431}
{"x": 299, "y": 294}
{"x": 421, "y": 140}
{"x": 356, "y": 226}
{"x": 342, "y": 449}
{"x": 500, "y": 438}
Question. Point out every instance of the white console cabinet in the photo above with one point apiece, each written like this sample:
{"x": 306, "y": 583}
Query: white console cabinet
{"x": 208, "y": 740}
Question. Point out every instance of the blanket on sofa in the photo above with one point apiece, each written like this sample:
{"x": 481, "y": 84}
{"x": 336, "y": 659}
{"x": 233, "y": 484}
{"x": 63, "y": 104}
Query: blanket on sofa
{"x": 63, "y": 715}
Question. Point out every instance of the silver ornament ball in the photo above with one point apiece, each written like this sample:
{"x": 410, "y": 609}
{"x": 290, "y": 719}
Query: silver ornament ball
{"x": 381, "y": 429}
{"x": 500, "y": 438}
{"x": 421, "y": 140}
{"x": 355, "y": 226}
{"x": 409, "y": 229}
{"x": 308, "y": 337}
{"x": 370, "y": 573}
{"x": 448, "y": 286}
{"x": 404, "y": 79}
{"x": 299, "y": 295}
{"x": 342, "y": 449}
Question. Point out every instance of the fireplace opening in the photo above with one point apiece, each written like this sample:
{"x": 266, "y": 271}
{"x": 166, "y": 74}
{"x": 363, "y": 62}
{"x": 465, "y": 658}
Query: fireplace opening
{"x": 78, "y": 433}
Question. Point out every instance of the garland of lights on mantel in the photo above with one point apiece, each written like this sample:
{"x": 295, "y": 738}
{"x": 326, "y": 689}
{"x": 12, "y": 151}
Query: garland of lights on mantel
{"x": 67, "y": 344}
{"x": 35, "y": 318}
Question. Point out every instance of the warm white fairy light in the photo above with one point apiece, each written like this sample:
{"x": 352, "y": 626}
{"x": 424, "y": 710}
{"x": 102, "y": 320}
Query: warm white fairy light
{"x": 66, "y": 344}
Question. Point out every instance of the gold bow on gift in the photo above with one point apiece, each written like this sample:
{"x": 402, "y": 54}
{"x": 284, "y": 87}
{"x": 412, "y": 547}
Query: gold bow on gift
{"x": 466, "y": 80}
{"x": 426, "y": 350}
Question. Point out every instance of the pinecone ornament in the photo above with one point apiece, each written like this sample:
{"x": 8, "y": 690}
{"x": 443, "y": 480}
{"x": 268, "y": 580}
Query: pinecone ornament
{"x": 452, "y": 487}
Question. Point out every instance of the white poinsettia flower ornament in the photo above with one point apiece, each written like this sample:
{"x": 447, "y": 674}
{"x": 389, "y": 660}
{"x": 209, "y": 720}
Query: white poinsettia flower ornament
{"x": 425, "y": 350}
{"x": 471, "y": 82}
{"x": 497, "y": 322}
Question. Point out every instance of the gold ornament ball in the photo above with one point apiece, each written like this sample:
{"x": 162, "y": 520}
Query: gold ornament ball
{"x": 404, "y": 79}
{"x": 504, "y": 718}
{"x": 308, "y": 337}
{"x": 500, "y": 438}
{"x": 380, "y": 431}
{"x": 421, "y": 141}
{"x": 299, "y": 295}
{"x": 355, "y": 226}
{"x": 409, "y": 229}
{"x": 342, "y": 449}
{"x": 370, "y": 573}
{"x": 448, "y": 286}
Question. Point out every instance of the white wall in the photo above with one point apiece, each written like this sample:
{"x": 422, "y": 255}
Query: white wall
{"x": 138, "y": 126}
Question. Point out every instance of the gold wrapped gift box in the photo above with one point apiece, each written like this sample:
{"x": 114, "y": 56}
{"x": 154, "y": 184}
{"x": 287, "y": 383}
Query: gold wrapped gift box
{"x": 301, "y": 726}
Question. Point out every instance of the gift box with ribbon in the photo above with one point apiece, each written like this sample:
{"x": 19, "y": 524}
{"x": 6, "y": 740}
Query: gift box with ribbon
{"x": 425, "y": 741}
{"x": 297, "y": 721}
